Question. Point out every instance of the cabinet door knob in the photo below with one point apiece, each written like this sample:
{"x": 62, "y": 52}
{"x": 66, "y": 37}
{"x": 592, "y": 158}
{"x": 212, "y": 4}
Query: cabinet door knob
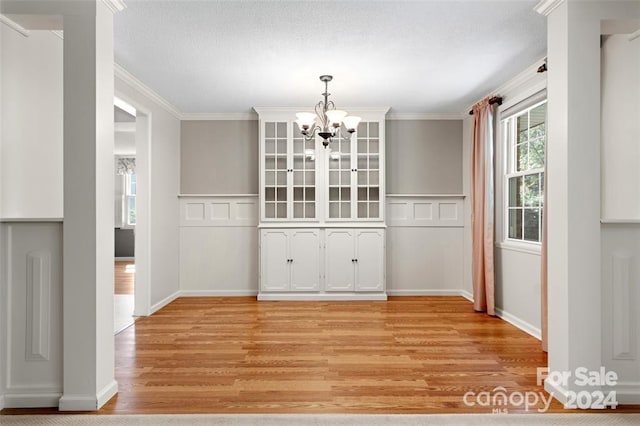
{"x": 356, "y": 260}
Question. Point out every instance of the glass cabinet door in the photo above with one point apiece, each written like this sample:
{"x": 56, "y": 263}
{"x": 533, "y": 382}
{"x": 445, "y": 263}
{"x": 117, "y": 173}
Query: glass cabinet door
{"x": 304, "y": 176}
{"x": 340, "y": 177}
{"x": 368, "y": 170}
{"x": 275, "y": 170}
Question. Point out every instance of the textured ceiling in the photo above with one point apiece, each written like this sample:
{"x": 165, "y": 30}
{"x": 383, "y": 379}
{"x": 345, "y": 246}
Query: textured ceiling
{"x": 414, "y": 56}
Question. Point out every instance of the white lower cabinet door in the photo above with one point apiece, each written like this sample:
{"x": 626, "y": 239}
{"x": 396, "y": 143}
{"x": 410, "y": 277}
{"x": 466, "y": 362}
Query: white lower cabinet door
{"x": 274, "y": 260}
{"x": 339, "y": 260}
{"x": 305, "y": 255}
{"x": 369, "y": 260}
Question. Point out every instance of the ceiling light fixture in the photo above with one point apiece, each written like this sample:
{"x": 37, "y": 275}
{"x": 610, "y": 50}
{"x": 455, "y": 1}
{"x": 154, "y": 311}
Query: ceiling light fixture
{"x": 329, "y": 118}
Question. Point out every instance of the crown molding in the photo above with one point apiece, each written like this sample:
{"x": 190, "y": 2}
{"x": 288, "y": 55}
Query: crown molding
{"x": 14, "y": 25}
{"x": 423, "y": 116}
{"x": 132, "y": 81}
{"x": 293, "y": 110}
{"x": 115, "y": 5}
{"x": 545, "y": 7}
{"x": 231, "y": 116}
{"x": 529, "y": 73}
{"x": 58, "y": 33}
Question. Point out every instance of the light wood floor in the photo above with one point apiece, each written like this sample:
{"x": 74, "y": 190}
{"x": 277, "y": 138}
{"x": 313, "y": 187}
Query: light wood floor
{"x": 124, "y": 281}
{"x": 237, "y": 355}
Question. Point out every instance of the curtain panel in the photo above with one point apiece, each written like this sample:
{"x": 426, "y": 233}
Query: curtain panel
{"x": 483, "y": 208}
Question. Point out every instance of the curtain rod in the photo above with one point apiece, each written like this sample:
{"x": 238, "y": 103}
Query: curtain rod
{"x": 493, "y": 100}
{"x": 542, "y": 68}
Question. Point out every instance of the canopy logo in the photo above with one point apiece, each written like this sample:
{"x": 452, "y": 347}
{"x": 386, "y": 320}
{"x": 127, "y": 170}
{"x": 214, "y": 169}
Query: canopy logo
{"x": 593, "y": 393}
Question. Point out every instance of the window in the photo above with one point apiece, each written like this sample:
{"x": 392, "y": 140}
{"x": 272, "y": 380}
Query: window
{"x": 525, "y": 136}
{"x": 130, "y": 198}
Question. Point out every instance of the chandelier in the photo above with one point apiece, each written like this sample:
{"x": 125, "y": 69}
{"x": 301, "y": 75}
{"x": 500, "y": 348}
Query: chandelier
{"x": 329, "y": 119}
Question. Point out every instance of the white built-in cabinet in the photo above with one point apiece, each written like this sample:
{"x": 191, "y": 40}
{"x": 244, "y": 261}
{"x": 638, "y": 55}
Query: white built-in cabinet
{"x": 291, "y": 259}
{"x": 322, "y": 230}
{"x": 354, "y": 260}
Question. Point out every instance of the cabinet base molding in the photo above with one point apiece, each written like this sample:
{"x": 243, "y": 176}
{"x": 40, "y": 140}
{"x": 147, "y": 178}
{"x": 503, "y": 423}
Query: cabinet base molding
{"x": 321, "y": 296}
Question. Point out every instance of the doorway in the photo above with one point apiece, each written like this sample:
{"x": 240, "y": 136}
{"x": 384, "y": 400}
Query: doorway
{"x": 125, "y": 214}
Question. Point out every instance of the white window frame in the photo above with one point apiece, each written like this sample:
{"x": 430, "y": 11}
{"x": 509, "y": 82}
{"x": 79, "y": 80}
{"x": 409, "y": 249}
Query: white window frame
{"x": 125, "y": 201}
{"x": 509, "y": 153}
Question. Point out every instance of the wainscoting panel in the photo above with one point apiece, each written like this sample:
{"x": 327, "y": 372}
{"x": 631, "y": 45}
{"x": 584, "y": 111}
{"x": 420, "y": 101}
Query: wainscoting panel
{"x": 620, "y": 303}
{"x": 424, "y": 245}
{"x": 425, "y": 210}
{"x": 219, "y": 245}
{"x": 38, "y": 305}
{"x": 31, "y": 297}
{"x": 219, "y": 250}
{"x": 218, "y": 210}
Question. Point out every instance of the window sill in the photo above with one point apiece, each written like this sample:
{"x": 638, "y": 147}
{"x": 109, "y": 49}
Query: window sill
{"x": 522, "y": 247}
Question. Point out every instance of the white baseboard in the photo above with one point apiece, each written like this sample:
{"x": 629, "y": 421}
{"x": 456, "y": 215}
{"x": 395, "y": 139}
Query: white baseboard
{"x": 1, "y": 402}
{"x": 77, "y": 403}
{"x": 90, "y": 402}
{"x": 557, "y": 391}
{"x": 107, "y": 393}
{"x": 627, "y": 393}
{"x": 421, "y": 292}
{"x": 321, "y": 297}
{"x": 30, "y": 400}
{"x": 522, "y": 325}
{"x": 466, "y": 295}
{"x": 164, "y": 302}
{"x": 125, "y": 259}
{"x": 217, "y": 293}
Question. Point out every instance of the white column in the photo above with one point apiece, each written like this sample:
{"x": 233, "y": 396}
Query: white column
{"x": 573, "y": 168}
{"x": 88, "y": 210}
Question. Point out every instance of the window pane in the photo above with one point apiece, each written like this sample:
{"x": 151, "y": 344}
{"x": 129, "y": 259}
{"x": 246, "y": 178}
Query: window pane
{"x": 132, "y": 211}
{"x": 523, "y": 127}
{"x": 515, "y": 224}
{"x": 521, "y": 157}
{"x": 270, "y": 194}
{"x": 310, "y": 210}
{"x": 132, "y": 184}
{"x": 270, "y": 209}
{"x": 536, "y": 154}
{"x": 532, "y": 225}
{"x": 532, "y": 190}
{"x": 537, "y": 118}
{"x": 515, "y": 192}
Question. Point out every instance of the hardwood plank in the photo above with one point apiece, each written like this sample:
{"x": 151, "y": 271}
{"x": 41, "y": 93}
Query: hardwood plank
{"x": 124, "y": 281}
{"x": 237, "y": 355}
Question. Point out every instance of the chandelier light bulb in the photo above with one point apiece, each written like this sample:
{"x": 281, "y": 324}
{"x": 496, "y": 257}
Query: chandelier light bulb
{"x": 305, "y": 119}
{"x": 351, "y": 123}
{"x": 335, "y": 117}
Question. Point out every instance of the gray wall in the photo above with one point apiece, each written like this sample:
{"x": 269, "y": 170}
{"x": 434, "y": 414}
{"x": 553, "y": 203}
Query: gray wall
{"x": 424, "y": 156}
{"x": 219, "y": 157}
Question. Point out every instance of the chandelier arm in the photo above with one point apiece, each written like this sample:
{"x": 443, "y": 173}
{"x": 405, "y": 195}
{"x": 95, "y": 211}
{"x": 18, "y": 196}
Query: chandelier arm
{"x": 311, "y": 134}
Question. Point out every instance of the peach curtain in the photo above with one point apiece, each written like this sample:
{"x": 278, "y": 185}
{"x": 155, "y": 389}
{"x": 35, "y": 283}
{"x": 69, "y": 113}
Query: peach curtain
{"x": 482, "y": 208}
